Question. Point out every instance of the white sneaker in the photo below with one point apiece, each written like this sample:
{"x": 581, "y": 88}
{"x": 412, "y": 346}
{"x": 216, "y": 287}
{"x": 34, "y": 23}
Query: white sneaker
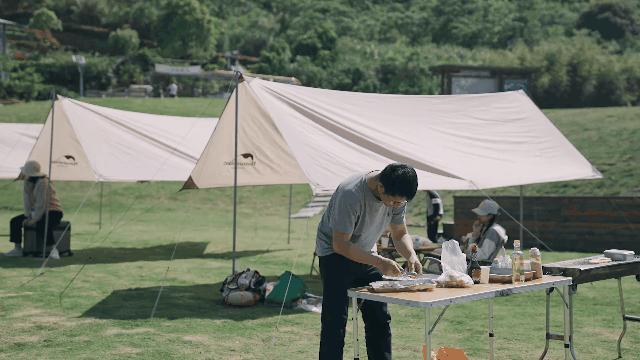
{"x": 14, "y": 252}
{"x": 54, "y": 254}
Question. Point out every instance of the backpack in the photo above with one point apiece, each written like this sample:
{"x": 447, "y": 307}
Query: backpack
{"x": 280, "y": 294}
{"x": 242, "y": 288}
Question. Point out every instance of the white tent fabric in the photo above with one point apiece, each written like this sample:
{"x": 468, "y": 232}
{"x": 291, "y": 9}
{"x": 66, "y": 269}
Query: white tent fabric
{"x": 293, "y": 134}
{"x": 16, "y": 142}
{"x": 95, "y": 143}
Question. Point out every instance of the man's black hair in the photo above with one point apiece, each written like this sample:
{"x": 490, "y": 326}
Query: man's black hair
{"x": 399, "y": 180}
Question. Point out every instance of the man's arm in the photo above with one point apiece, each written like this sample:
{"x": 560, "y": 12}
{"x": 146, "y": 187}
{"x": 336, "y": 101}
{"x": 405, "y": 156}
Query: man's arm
{"x": 403, "y": 243}
{"x": 342, "y": 246}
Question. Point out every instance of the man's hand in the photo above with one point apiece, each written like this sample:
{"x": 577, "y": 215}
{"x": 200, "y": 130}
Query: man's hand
{"x": 28, "y": 222}
{"x": 414, "y": 265}
{"x": 389, "y": 267}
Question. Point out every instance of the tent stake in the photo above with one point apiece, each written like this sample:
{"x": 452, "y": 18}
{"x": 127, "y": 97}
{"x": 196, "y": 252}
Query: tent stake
{"x": 235, "y": 181}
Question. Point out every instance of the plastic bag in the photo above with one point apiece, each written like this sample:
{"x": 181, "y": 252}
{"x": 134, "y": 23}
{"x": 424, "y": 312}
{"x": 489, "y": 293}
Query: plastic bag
{"x": 454, "y": 266}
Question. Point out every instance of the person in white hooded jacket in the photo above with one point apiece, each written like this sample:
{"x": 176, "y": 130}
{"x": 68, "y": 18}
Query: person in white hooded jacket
{"x": 39, "y": 196}
{"x": 487, "y": 233}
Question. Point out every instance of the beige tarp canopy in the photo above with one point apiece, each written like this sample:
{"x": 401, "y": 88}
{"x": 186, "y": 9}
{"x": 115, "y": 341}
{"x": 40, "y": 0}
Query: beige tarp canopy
{"x": 16, "y": 142}
{"x": 96, "y": 143}
{"x": 293, "y": 134}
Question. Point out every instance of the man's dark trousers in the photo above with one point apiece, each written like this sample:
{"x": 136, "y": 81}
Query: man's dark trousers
{"x": 339, "y": 274}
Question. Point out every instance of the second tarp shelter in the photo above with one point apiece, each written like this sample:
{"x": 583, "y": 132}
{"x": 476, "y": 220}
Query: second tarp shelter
{"x": 96, "y": 143}
{"x": 16, "y": 142}
{"x": 86, "y": 142}
{"x": 291, "y": 134}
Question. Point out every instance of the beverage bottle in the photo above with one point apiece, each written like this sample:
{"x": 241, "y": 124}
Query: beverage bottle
{"x": 474, "y": 266}
{"x": 536, "y": 262}
{"x": 517, "y": 263}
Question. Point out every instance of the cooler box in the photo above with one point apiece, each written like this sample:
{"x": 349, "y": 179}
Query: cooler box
{"x": 33, "y": 246}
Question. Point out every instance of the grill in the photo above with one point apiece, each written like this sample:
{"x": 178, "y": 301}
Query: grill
{"x": 583, "y": 271}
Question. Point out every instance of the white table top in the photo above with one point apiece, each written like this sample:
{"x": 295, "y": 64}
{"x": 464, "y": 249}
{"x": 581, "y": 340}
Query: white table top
{"x": 448, "y": 296}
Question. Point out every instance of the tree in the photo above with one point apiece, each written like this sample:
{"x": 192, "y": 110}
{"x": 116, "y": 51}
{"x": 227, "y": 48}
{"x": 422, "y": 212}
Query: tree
{"x": 45, "y": 19}
{"x": 186, "y": 30}
{"x": 613, "y": 20}
{"x": 123, "y": 41}
{"x": 90, "y": 12}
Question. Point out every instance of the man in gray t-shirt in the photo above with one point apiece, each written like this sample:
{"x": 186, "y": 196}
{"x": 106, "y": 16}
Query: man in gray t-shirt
{"x": 359, "y": 211}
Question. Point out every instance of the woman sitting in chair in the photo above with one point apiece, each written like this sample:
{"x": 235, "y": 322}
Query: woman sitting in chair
{"x": 39, "y": 197}
{"x": 487, "y": 233}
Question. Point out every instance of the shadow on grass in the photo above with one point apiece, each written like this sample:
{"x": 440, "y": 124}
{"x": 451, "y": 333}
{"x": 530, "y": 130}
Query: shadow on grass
{"x": 113, "y": 255}
{"x": 201, "y": 301}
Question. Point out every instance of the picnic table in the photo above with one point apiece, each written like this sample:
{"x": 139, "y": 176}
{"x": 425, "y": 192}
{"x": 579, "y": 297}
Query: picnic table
{"x": 445, "y": 297}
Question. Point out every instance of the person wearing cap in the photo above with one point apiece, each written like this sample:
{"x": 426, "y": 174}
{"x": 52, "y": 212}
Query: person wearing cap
{"x": 489, "y": 236}
{"x": 39, "y": 196}
{"x": 359, "y": 211}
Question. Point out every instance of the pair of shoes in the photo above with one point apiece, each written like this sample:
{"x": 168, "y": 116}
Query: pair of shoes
{"x": 14, "y": 252}
{"x": 54, "y": 254}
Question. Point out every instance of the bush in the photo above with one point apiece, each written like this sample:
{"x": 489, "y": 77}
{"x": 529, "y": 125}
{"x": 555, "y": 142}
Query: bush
{"x": 123, "y": 41}
{"x": 45, "y": 19}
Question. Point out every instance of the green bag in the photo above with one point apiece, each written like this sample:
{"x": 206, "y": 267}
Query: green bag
{"x": 279, "y": 294}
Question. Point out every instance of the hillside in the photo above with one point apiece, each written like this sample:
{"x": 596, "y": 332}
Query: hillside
{"x": 584, "y": 53}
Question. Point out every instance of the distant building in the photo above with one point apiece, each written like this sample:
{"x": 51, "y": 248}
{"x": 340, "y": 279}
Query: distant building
{"x": 4, "y": 47}
{"x": 4, "y": 24}
{"x": 468, "y": 79}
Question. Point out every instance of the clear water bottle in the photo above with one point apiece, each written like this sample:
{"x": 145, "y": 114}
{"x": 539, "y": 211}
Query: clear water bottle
{"x": 517, "y": 264}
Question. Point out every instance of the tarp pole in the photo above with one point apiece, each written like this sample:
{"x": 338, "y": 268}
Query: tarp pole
{"x": 426, "y": 214}
{"x": 48, "y": 192}
{"x": 290, "y": 204}
{"x": 521, "y": 216}
{"x": 235, "y": 181}
{"x": 100, "y": 210}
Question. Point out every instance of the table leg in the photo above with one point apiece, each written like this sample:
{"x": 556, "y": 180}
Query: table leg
{"x": 427, "y": 334}
{"x": 492, "y": 338}
{"x": 547, "y": 323}
{"x": 354, "y": 320}
{"x": 624, "y": 320}
{"x": 569, "y": 352}
{"x": 572, "y": 291}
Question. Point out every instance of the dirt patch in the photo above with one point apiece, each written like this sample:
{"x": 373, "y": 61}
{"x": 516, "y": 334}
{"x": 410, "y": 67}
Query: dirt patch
{"x": 6, "y": 295}
{"x": 201, "y": 339}
{"x": 24, "y": 339}
{"x": 118, "y": 331}
{"x": 126, "y": 350}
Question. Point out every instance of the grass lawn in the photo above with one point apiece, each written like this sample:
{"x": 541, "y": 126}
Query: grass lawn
{"x": 113, "y": 279}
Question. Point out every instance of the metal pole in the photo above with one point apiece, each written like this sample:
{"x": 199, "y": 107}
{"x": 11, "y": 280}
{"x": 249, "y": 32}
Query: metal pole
{"x": 290, "y": 204}
{"x": 624, "y": 318}
{"x": 521, "y": 217}
{"x": 492, "y": 338}
{"x": 567, "y": 322}
{"x": 100, "y": 211}
{"x": 81, "y": 81}
{"x": 426, "y": 215}
{"x": 427, "y": 333}
{"x": 48, "y": 192}
{"x": 235, "y": 180}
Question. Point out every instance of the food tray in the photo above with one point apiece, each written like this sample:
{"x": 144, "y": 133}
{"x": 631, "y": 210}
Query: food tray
{"x": 402, "y": 285}
{"x": 506, "y": 279}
